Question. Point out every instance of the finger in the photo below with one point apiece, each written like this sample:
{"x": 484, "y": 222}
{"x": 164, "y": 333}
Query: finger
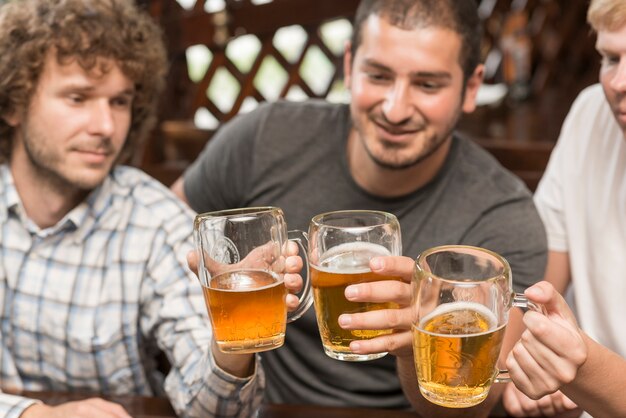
{"x": 293, "y": 283}
{"x": 263, "y": 256}
{"x": 380, "y": 292}
{"x": 396, "y": 343}
{"x": 377, "y": 319}
{"x": 394, "y": 266}
{"x": 518, "y": 375}
{"x": 106, "y": 408}
{"x": 562, "y": 403}
{"x": 293, "y": 264}
{"x": 558, "y": 336}
{"x": 559, "y": 351}
{"x": 546, "y": 405}
{"x": 544, "y": 293}
{"x": 568, "y": 404}
{"x": 292, "y": 302}
{"x": 538, "y": 382}
{"x": 113, "y": 408}
{"x": 530, "y": 407}
{"x": 192, "y": 261}
{"x": 291, "y": 249}
{"x": 511, "y": 401}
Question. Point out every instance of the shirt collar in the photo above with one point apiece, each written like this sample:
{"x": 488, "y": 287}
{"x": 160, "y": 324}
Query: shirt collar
{"x": 11, "y": 202}
{"x": 82, "y": 219}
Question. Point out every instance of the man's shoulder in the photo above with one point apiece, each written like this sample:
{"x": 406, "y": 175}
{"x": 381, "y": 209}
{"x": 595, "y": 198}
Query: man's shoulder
{"x": 288, "y": 107}
{"x": 271, "y": 121}
{"x": 280, "y": 126}
{"x": 481, "y": 172}
{"x": 589, "y": 102}
{"x": 147, "y": 196}
{"x": 285, "y": 114}
{"x": 591, "y": 94}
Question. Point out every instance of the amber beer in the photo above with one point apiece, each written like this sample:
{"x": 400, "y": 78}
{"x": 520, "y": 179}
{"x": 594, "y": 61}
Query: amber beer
{"x": 248, "y": 310}
{"x": 456, "y": 348}
{"x": 339, "y": 267}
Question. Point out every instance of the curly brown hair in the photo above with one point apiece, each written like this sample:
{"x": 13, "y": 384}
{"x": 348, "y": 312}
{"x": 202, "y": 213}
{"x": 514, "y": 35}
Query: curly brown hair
{"x": 81, "y": 30}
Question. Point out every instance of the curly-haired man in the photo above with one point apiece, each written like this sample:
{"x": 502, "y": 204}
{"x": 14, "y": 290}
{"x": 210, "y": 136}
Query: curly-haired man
{"x": 93, "y": 273}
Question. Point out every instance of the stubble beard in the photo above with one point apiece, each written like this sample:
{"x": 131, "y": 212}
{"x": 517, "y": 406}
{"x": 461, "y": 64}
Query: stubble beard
{"x": 45, "y": 166}
{"x": 431, "y": 145}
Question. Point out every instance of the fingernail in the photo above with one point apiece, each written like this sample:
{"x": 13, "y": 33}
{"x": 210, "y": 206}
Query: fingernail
{"x": 534, "y": 291}
{"x": 344, "y": 320}
{"x": 351, "y": 292}
{"x": 290, "y": 263}
{"x": 377, "y": 263}
{"x": 355, "y": 346}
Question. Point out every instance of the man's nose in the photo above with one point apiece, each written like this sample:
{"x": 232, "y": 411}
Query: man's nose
{"x": 101, "y": 121}
{"x": 398, "y": 106}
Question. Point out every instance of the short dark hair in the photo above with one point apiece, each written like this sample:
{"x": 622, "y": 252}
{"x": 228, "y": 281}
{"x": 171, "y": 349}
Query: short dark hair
{"x": 81, "y": 30}
{"x": 460, "y": 16}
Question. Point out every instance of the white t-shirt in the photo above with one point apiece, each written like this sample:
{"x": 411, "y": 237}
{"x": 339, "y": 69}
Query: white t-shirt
{"x": 582, "y": 201}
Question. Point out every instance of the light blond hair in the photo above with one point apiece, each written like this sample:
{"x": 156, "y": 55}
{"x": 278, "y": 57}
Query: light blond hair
{"x": 607, "y": 14}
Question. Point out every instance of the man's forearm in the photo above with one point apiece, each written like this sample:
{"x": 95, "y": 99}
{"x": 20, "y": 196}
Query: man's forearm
{"x": 598, "y": 382}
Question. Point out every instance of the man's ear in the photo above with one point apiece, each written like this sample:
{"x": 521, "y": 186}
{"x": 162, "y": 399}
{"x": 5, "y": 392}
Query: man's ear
{"x": 12, "y": 119}
{"x": 347, "y": 64}
{"x": 471, "y": 88}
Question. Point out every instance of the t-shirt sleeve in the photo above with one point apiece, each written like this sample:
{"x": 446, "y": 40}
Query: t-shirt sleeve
{"x": 549, "y": 196}
{"x": 220, "y": 177}
{"x": 549, "y": 201}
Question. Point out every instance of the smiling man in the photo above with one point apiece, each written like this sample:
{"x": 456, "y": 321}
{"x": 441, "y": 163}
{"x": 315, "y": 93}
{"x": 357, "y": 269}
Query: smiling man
{"x": 412, "y": 68}
{"x": 93, "y": 272}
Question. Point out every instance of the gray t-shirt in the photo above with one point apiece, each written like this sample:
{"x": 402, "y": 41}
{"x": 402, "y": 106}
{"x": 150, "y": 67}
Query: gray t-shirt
{"x": 293, "y": 155}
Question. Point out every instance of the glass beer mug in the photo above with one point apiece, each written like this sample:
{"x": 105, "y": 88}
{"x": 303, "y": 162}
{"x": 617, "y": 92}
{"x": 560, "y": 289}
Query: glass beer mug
{"x": 462, "y": 296}
{"x": 341, "y": 246}
{"x": 241, "y": 266}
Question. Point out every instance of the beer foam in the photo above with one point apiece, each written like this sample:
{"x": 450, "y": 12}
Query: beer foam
{"x": 459, "y": 306}
{"x": 351, "y": 257}
{"x": 245, "y": 280}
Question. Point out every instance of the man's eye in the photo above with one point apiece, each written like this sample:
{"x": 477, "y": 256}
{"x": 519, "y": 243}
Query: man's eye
{"x": 122, "y": 102}
{"x": 610, "y": 59}
{"x": 377, "y": 77}
{"x": 76, "y": 98}
{"x": 428, "y": 85}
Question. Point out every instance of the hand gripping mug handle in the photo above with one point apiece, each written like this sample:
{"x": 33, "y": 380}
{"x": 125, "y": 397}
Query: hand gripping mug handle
{"x": 306, "y": 299}
{"x": 520, "y": 301}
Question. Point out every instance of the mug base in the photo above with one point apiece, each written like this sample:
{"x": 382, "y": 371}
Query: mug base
{"x": 244, "y": 347}
{"x": 348, "y": 356}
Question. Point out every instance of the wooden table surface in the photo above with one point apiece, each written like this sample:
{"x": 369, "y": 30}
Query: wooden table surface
{"x": 152, "y": 407}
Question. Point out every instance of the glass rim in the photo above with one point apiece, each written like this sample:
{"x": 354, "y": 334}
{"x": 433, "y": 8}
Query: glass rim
{"x": 468, "y": 250}
{"x": 227, "y": 213}
{"x": 317, "y": 220}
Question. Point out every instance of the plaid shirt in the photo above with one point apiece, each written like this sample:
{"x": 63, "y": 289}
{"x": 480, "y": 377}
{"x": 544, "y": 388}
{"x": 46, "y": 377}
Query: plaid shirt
{"x": 86, "y": 304}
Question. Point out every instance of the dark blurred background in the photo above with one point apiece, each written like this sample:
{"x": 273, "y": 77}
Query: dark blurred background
{"x": 229, "y": 55}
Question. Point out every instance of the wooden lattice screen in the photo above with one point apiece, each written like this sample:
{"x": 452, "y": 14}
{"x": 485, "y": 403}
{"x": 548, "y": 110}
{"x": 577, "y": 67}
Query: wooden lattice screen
{"x": 561, "y": 49}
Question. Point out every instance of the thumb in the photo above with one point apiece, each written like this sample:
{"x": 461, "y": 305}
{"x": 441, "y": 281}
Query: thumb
{"x": 545, "y": 294}
{"x": 393, "y": 266}
{"x": 192, "y": 260}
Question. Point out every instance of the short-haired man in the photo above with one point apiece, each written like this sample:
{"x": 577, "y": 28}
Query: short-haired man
{"x": 413, "y": 67}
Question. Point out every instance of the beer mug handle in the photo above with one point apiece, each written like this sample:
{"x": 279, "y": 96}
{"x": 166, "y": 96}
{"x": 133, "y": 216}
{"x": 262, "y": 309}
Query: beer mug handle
{"x": 520, "y": 301}
{"x": 306, "y": 299}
